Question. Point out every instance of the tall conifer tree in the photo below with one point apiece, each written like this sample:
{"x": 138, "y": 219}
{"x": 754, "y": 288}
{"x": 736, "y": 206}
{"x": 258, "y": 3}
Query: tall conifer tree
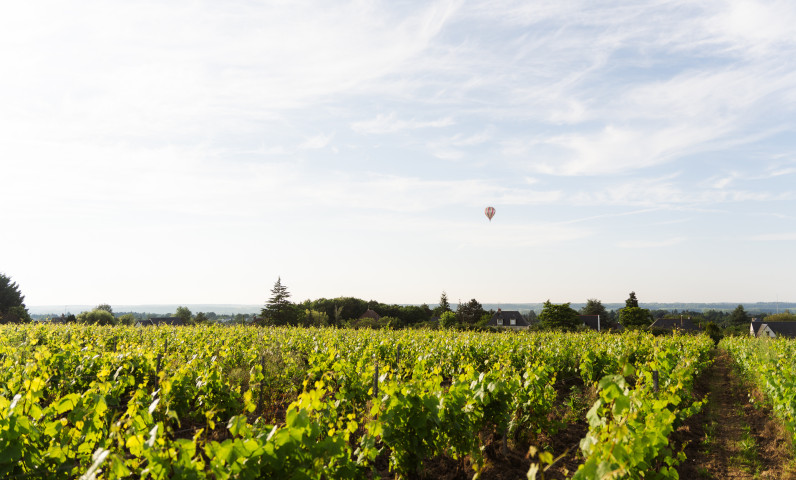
{"x": 279, "y": 310}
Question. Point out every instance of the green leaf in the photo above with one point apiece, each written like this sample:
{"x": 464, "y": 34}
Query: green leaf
{"x": 135, "y": 444}
{"x": 238, "y": 426}
{"x": 593, "y": 415}
{"x": 621, "y": 404}
{"x": 52, "y": 429}
{"x": 546, "y": 457}
{"x": 57, "y": 453}
{"x": 11, "y": 454}
{"x": 222, "y": 451}
{"x": 118, "y": 469}
{"x": 628, "y": 369}
{"x": 67, "y": 403}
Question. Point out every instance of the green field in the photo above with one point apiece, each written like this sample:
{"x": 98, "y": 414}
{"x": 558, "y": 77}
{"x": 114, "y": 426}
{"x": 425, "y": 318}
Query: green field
{"x": 248, "y": 402}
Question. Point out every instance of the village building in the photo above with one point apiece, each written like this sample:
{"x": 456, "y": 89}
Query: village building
{"x": 154, "y": 321}
{"x": 508, "y": 319}
{"x": 591, "y": 321}
{"x": 370, "y": 314}
{"x": 683, "y": 324}
{"x": 772, "y": 329}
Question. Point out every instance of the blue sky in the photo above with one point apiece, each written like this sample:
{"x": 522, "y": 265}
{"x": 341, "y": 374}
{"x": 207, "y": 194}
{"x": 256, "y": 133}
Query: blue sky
{"x": 193, "y": 152}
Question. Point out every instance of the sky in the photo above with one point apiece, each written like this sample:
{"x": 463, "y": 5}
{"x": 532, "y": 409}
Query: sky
{"x": 197, "y": 151}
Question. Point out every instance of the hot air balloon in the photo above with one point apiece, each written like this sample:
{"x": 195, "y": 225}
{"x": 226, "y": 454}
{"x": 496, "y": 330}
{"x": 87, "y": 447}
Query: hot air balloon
{"x": 489, "y": 212}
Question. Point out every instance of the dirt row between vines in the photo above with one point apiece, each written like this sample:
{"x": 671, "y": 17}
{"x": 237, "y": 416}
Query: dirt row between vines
{"x": 735, "y": 436}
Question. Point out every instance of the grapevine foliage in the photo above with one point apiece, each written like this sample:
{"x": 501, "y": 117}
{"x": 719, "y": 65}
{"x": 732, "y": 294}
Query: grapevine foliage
{"x": 245, "y": 402}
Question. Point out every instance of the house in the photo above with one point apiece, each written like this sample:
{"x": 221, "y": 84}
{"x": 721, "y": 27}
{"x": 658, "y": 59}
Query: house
{"x": 159, "y": 321}
{"x": 754, "y": 327}
{"x": 508, "y": 319}
{"x": 370, "y": 314}
{"x": 591, "y": 321}
{"x": 683, "y": 324}
{"x": 772, "y": 329}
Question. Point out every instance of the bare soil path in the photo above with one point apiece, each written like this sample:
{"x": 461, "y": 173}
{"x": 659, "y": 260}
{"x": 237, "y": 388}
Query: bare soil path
{"x": 733, "y": 437}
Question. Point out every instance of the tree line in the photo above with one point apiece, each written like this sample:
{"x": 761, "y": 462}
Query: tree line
{"x": 350, "y": 312}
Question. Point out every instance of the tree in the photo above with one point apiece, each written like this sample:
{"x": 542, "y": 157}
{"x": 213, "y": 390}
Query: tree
{"x": 594, "y": 307}
{"x": 279, "y": 310}
{"x": 201, "y": 319}
{"x": 97, "y": 317}
{"x": 12, "y": 302}
{"x": 184, "y": 314}
{"x": 314, "y": 318}
{"x": 632, "y": 301}
{"x": 106, "y": 307}
{"x": 635, "y": 317}
{"x": 393, "y": 323}
{"x": 716, "y": 316}
{"x": 18, "y": 314}
{"x": 739, "y": 316}
{"x": 444, "y": 305}
{"x": 127, "y": 319}
{"x": 660, "y": 313}
{"x": 338, "y": 315}
{"x": 485, "y": 319}
{"x": 714, "y": 332}
{"x": 412, "y": 314}
{"x": 426, "y": 310}
{"x": 559, "y": 317}
{"x": 785, "y": 316}
{"x": 470, "y": 313}
{"x": 448, "y": 320}
{"x": 338, "y": 309}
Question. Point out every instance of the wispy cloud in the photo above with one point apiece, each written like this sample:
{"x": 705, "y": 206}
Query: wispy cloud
{"x": 316, "y": 142}
{"x": 774, "y": 237}
{"x": 455, "y": 147}
{"x": 668, "y": 242}
{"x": 610, "y": 215}
{"x": 721, "y": 181}
{"x": 223, "y": 69}
{"x": 285, "y": 119}
{"x": 754, "y": 29}
{"x": 390, "y": 123}
{"x": 783, "y": 171}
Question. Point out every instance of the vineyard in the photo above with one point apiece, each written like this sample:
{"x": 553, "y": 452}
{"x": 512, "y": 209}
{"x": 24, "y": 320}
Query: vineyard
{"x": 770, "y": 366}
{"x": 247, "y": 402}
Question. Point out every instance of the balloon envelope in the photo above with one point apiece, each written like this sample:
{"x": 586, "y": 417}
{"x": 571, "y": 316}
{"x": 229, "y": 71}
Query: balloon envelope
{"x": 489, "y": 212}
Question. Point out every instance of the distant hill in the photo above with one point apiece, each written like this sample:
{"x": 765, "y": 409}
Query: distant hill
{"x": 758, "y": 307}
{"x": 227, "y": 309}
{"x": 164, "y": 309}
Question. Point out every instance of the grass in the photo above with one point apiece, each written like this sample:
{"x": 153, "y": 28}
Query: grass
{"x": 711, "y": 424}
{"x": 747, "y": 458}
{"x": 710, "y": 436}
